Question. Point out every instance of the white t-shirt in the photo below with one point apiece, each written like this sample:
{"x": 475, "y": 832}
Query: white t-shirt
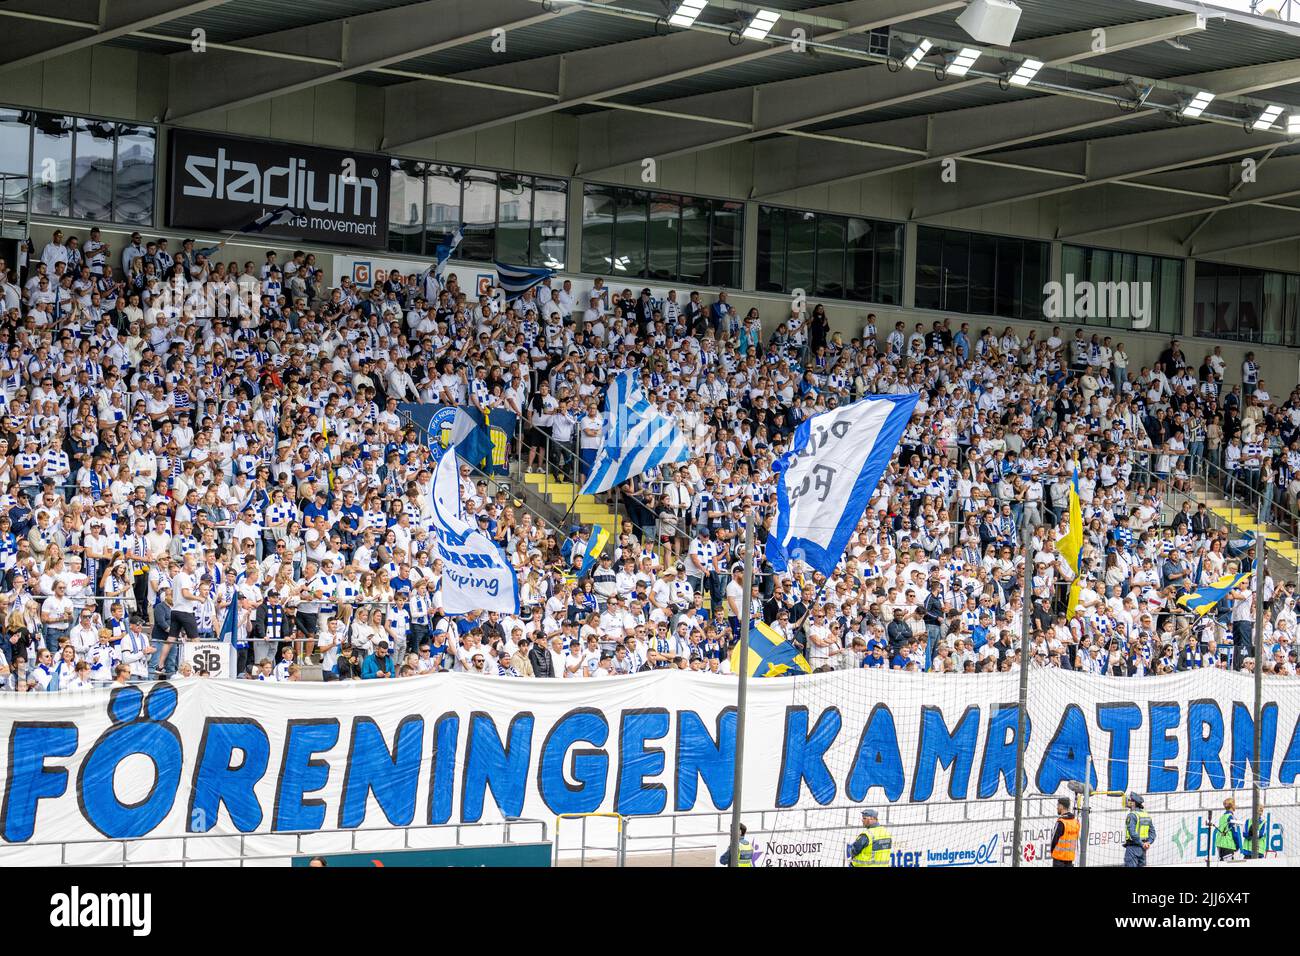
{"x": 181, "y": 583}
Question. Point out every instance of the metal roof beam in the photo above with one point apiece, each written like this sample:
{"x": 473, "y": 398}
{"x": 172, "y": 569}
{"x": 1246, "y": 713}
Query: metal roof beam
{"x": 350, "y": 46}
{"x": 1239, "y": 229}
{"x": 597, "y": 74}
{"x": 979, "y": 129}
{"x": 1110, "y": 160}
{"x": 607, "y": 142}
{"x": 81, "y": 24}
{"x": 1098, "y": 216}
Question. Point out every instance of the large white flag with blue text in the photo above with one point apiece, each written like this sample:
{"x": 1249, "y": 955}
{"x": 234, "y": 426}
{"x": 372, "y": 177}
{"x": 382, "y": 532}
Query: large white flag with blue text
{"x": 829, "y": 475}
{"x": 475, "y": 572}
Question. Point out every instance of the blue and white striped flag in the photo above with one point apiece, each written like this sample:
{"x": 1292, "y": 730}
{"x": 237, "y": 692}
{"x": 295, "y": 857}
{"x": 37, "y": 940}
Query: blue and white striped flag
{"x": 446, "y": 250}
{"x": 282, "y": 216}
{"x": 516, "y": 280}
{"x": 636, "y": 437}
{"x": 829, "y": 475}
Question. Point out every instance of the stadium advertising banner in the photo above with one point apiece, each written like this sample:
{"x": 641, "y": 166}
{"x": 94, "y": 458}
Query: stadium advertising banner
{"x": 221, "y": 184}
{"x": 226, "y": 757}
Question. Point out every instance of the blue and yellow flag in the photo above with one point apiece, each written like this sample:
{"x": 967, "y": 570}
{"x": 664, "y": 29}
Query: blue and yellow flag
{"x": 591, "y": 554}
{"x": 1206, "y": 598}
{"x": 769, "y": 654}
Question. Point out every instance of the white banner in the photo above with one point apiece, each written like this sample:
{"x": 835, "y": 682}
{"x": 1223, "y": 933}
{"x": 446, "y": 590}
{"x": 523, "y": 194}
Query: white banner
{"x": 226, "y": 757}
{"x": 475, "y": 572}
{"x": 211, "y": 656}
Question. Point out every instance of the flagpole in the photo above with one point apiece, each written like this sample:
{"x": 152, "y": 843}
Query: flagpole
{"x": 1026, "y": 622}
{"x": 1261, "y": 549}
{"x": 733, "y": 853}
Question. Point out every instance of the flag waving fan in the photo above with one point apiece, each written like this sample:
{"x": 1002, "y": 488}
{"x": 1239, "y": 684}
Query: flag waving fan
{"x": 769, "y": 654}
{"x": 636, "y": 438}
{"x": 282, "y": 216}
{"x": 1206, "y": 598}
{"x": 1070, "y": 545}
{"x": 829, "y": 476}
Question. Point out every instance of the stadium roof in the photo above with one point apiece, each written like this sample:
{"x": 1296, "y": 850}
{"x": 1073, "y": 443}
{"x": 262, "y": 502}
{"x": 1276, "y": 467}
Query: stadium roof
{"x": 1105, "y": 111}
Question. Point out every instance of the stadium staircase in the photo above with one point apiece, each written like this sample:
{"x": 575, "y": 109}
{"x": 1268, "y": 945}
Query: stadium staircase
{"x": 1236, "y": 507}
{"x": 564, "y": 499}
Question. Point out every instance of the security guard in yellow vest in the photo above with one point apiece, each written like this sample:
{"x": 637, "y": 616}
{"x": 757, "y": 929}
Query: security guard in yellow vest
{"x": 1065, "y": 836}
{"x": 874, "y": 844}
{"x": 1139, "y": 832}
{"x": 744, "y": 851}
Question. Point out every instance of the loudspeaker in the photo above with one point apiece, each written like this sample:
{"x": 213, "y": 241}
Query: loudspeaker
{"x": 991, "y": 21}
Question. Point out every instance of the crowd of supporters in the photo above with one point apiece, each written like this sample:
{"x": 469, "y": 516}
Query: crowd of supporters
{"x": 179, "y": 434}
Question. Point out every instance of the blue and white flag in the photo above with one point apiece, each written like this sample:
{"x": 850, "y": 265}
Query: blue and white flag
{"x": 636, "y": 438}
{"x": 275, "y": 217}
{"x": 475, "y": 572}
{"x": 229, "y": 633}
{"x": 516, "y": 280}
{"x": 829, "y": 475}
{"x": 445, "y": 250}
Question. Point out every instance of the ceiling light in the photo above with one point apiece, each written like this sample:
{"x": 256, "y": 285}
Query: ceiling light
{"x": 761, "y": 25}
{"x": 1267, "y": 118}
{"x": 1028, "y": 70}
{"x": 963, "y": 61}
{"x": 1198, "y": 104}
{"x": 686, "y": 12}
{"x": 917, "y": 55}
{"x": 1293, "y": 124}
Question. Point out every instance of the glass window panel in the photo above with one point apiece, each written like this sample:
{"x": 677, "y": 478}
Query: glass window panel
{"x": 1037, "y": 265}
{"x": 1273, "y": 307}
{"x": 956, "y": 271}
{"x": 665, "y": 237}
{"x": 861, "y": 274}
{"x": 1011, "y": 253}
{"x": 771, "y": 250}
{"x": 597, "y": 228}
{"x": 830, "y": 256}
{"x": 441, "y": 206}
{"x": 514, "y": 218}
{"x": 1227, "y": 298}
{"x": 929, "y": 268}
{"x": 801, "y": 243}
{"x": 550, "y": 223}
{"x": 52, "y": 165}
{"x": 15, "y": 142}
{"x": 889, "y": 263}
{"x": 629, "y": 234}
{"x": 133, "y": 183}
{"x": 405, "y": 207}
{"x": 1292, "y": 309}
{"x": 479, "y": 205}
{"x": 695, "y": 240}
{"x": 1099, "y": 265}
{"x": 92, "y": 177}
{"x": 728, "y": 244}
{"x": 1250, "y": 302}
{"x": 1205, "y": 315}
{"x": 1074, "y": 262}
{"x": 984, "y": 266}
{"x": 1171, "y": 296}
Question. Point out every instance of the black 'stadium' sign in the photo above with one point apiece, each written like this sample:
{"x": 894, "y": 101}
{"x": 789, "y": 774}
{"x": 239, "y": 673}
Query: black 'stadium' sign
{"x": 220, "y": 184}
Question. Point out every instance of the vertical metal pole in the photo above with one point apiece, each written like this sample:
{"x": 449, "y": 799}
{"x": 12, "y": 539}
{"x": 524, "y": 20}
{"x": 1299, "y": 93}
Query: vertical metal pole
{"x": 1209, "y": 837}
{"x": 618, "y": 525}
{"x": 733, "y": 856}
{"x": 1083, "y": 823}
{"x": 1261, "y": 571}
{"x": 1026, "y": 622}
